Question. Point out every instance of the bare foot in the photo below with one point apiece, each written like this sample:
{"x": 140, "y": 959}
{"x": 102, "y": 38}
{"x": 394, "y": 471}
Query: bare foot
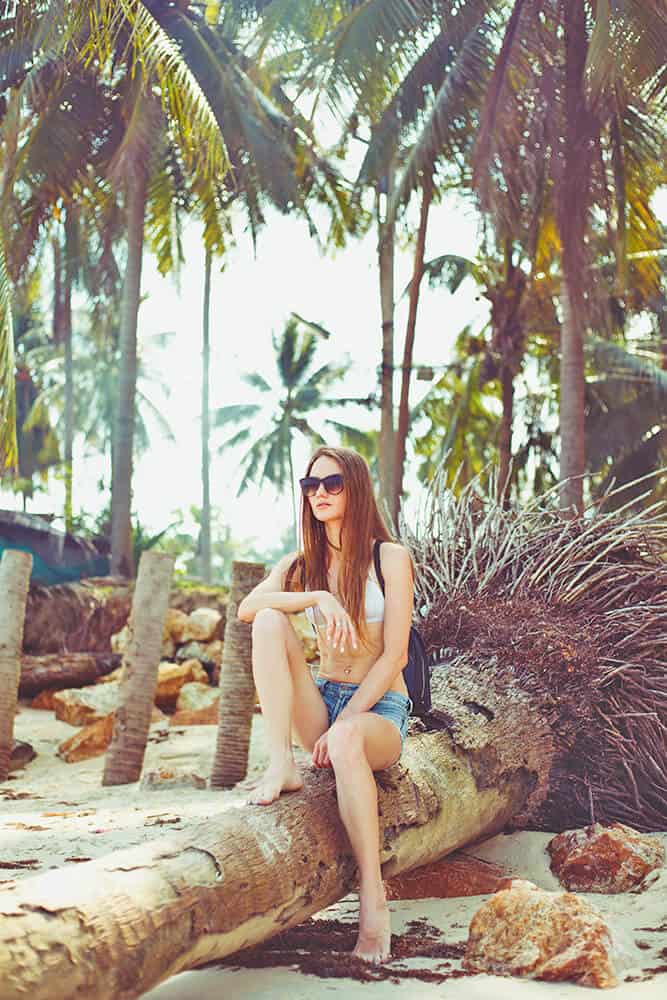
{"x": 283, "y": 777}
{"x": 374, "y": 938}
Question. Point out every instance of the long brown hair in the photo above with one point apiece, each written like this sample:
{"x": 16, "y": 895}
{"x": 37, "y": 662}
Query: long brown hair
{"x": 362, "y": 523}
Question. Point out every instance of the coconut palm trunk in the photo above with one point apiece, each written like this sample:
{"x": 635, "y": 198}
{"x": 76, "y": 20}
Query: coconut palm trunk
{"x": 574, "y": 200}
{"x": 123, "y": 435}
{"x": 237, "y": 687}
{"x": 15, "y": 569}
{"x": 68, "y": 271}
{"x": 205, "y": 526}
{"x": 386, "y": 270}
{"x": 132, "y": 720}
{"x": 403, "y": 427}
{"x": 247, "y": 876}
{"x": 505, "y": 434}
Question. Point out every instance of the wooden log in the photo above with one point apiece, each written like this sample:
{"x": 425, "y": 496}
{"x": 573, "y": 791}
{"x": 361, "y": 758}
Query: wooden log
{"x": 15, "y": 569}
{"x": 132, "y": 719}
{"x": 77, "y": 617}
{"x": 57, "y": 671}
{"x": 138, "y": 916}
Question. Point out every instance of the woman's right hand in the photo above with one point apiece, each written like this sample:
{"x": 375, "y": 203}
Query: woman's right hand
{"x": 339, "y": 626}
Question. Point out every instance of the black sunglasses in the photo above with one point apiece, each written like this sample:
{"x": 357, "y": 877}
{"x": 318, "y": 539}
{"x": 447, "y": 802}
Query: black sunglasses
{"x": 332, "y": 484}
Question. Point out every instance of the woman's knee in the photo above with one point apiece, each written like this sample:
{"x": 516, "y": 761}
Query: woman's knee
{"x": 345, "y": 742}
{"x": 269, "y": 621}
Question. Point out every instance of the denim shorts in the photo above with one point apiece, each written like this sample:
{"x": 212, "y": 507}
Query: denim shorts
{"x": 392, "y": 705}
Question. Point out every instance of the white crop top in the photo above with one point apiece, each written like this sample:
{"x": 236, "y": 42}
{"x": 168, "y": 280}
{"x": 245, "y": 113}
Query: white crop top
{"x": 373, "y": 604}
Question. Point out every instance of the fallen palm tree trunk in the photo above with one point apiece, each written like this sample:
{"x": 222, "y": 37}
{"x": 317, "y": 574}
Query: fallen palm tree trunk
{"x": 56, "y": 671}
{"x": 77, "y": 617}
{"x": 138, "y": 916}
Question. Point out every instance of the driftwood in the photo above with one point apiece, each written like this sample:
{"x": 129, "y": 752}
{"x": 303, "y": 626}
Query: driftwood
{"x": 56, "y": 671}
{"x": 138, "y": 916}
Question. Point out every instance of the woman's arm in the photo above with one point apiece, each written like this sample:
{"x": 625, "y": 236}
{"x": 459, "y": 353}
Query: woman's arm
{"x": 398, "y": 603}
{"x": 271, "y": 593}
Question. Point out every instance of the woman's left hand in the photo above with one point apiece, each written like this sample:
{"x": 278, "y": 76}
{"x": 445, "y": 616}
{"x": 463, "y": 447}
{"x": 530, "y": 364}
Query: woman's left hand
{"x": 321, "y": 751}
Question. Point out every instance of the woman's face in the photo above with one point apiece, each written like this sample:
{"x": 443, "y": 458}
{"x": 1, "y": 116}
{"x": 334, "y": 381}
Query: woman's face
{"x": 327, "y": 506}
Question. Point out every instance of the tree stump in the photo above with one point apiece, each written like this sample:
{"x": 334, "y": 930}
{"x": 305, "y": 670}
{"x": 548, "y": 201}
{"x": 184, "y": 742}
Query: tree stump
{"x": 237, "y": 687}
{"x": 15, "y": 569}
{"x": 132, "y": 719}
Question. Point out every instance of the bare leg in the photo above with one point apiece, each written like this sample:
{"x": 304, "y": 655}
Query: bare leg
{"x": 287, "y": 693}
{"x": 357, "y": 747}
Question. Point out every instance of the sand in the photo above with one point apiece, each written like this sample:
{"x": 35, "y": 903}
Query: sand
{"x": 54, "y": 814}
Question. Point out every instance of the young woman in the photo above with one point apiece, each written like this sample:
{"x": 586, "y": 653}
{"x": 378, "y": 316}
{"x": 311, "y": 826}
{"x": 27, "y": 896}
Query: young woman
{"x": 353, "y": 718}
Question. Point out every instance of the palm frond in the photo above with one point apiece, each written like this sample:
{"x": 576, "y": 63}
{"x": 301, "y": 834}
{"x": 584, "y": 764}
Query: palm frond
{"x": 447, "y": 125}
{"x": 157, "y": 57}
{"x": 234, "y": 412}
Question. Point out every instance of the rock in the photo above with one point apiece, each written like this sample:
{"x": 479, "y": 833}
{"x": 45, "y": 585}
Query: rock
{"x": 554, "y": 936}
{"x": 191, "y": 651}
{"x": 455, "y": 875}
{"x": 94, "y": 739}
{"x": 22, "y": 753}
{"x": 202, "y": 625}
{"x": 212, "y": 652}
{"x": 120, "y": 640}
{"x": 607, "y": 859}
{"x": 196, "y": 717}
{"x": 174, "y": 625}
{"x": 172, "y": 677}
{"x": 168, "y": 649}
{"x": 81, "y": 706}
{"x": 44, "y": 699}
{"x": 115, "y": 675}
{"x": 195, "y": 696}
{"x": 306, "y": 634}
{"x": 91, "y": 741}
{"x": 171, "y": 778}
{"x": 212, "y": 662}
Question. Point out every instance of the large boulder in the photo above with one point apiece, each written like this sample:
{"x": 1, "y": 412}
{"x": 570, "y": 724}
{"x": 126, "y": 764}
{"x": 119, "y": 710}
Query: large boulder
{"x": 306, "y": 634}
{"x": 94, "y": 739}
{"x": 555, "y": 936}
{"x": 203, "y": 625}
{"x": 599, "y": 858}
{"x": 81, "y": 706}
{"x": 172, "y": 677}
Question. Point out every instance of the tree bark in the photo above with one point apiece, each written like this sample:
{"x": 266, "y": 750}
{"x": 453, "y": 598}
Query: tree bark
{"x": 237, "y": 687}
{"x": 205, "y": 527}
{"x": 139, "y": 916}
{"x": 15, "y": 569}
{"x": 403, "y": 427}
{"x": 386, "y": 269}
{"x": 573, "y": 202}
{"x": 57, "y": 671}
{"x": 69, "y": 367}
{"x": 132, "y": 719}
{"x": 572, "y": 411}
{"x": 123, "y": 435}
{"x": 505, "y": 434}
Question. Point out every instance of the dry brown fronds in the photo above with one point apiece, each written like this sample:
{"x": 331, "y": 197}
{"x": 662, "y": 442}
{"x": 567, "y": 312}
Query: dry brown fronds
{"x": 575, "y": 608}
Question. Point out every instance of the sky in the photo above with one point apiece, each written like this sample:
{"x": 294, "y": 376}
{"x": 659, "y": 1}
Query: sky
{"x": 251, "y": 301}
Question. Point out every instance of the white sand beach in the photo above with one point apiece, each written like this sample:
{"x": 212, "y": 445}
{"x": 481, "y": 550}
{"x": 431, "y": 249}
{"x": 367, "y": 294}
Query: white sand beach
{"x": 55, "y": 815}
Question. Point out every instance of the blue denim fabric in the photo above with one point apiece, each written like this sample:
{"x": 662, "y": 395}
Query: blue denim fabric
{"x": 392, "y": 705}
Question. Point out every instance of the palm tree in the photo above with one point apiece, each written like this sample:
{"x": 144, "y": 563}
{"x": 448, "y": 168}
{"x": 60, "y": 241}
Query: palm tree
{"x": 299, "y": 393}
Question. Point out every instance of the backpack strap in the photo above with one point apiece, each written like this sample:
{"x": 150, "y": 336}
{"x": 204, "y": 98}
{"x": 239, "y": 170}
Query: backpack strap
{"x": 376, "y": 562}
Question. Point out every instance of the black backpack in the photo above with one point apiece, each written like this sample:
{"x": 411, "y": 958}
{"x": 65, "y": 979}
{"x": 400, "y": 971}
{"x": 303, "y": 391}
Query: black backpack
{"x": 416, "y": 672}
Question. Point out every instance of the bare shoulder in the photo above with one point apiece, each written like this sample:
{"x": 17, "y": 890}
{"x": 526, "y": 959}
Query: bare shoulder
{"x": 279, "y": 571}
{"x": 395, "y": 558}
